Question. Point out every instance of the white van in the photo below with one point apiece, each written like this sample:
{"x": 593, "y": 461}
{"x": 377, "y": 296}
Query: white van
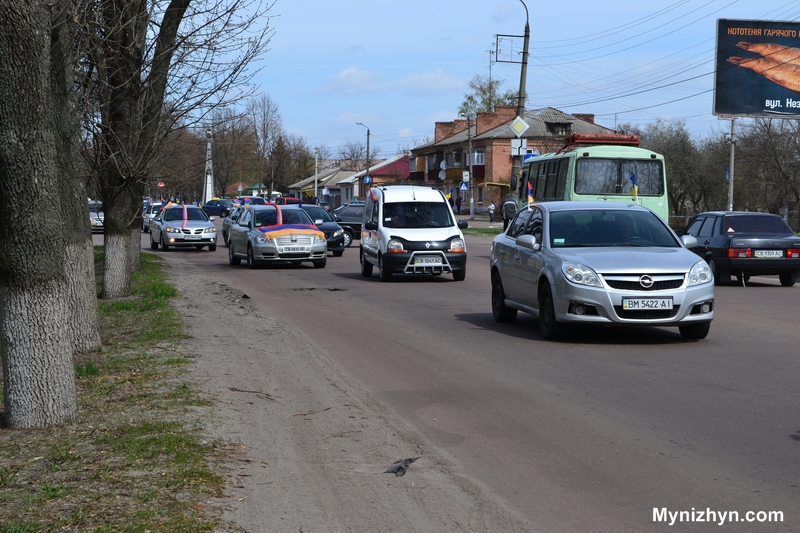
{"x": 410, "y": 229}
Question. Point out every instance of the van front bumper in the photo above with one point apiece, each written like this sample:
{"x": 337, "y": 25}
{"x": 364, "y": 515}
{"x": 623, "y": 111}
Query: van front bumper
{"x": 427, "y": 262}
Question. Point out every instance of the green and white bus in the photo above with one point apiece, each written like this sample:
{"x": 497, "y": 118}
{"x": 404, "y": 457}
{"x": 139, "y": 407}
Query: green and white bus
{"x": 606, "y": 167}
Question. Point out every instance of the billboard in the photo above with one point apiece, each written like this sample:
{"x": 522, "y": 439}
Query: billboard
{"x": 757, "y": 68}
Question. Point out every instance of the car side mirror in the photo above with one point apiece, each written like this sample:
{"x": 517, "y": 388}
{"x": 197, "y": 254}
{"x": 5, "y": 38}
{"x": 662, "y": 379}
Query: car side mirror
{"x": 529, "y": 241}
{"x": 463, "y": 224}
{"x": 689, "y": 241}
{"x": 337, "y": 219}
{"x": 371, "y": 225}
{"x": 212, "y": 219}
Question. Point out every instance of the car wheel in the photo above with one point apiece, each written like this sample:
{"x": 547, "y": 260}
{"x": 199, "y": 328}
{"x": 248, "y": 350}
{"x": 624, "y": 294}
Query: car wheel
{"x": 548, "y": 325}
{"x": 788, "y": 277}
{"x": 338, "y": 253}
{"x": 234, "y": 261}
{"x": 224, "y": 213}
{"x": 384, "y": 273}
{"x": 460, "y": 275}
{"x": 164, "y": 246}
{"x": 695, "y": 331}
{"x": 153, "y": 244}
{"x": 499, "y": 310}
{"x": 225, "y": 239}
{"x": 348, "y": 239}
{"x": 366, "y": 266}
{"x": 251, "y": 260}
{"x": 212, "y": 247}
{"x": 320, "y": 264}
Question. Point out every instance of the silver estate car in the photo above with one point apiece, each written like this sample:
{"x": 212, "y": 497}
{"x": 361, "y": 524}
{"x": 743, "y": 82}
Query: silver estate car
{"x": 599, "y": 263}
{"x": 272, "y": 234}
{"x": 183, "y": 226}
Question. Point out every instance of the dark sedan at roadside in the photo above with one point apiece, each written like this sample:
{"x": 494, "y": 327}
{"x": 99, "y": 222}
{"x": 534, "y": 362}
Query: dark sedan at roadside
{"x": 334, "y": 233}
{"x": 744, "y": 244}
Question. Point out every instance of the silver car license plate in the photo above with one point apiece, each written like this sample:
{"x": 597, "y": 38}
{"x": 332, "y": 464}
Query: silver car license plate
{"x": 294, "y": 249}
{"x": 768, "y": 253}
{"x": 427, "y": 260}
{"x": 193, "y": 237}
{"x": 646, "y": 304}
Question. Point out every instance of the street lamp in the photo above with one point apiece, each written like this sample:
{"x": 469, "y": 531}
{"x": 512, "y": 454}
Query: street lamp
{"x": 366, "y": 172}
{"x": 471, "y": 157}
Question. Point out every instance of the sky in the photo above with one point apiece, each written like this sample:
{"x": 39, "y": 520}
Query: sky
{"x": 400, "y": 67}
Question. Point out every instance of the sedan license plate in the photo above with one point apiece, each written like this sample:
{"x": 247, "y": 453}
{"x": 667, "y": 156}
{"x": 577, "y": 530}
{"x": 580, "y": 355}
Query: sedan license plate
{"x": 646, "y": 304}
{"x": 193, "y": 237}
{"x": 768, "y": 253}
{"x": 427, "y": 260}
{"x": 294, "y": 249}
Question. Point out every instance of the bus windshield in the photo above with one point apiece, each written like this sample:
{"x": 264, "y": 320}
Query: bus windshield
{"x": 613, "y": 176}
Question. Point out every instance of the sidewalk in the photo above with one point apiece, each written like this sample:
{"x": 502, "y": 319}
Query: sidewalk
{"x": 481, "y": 220}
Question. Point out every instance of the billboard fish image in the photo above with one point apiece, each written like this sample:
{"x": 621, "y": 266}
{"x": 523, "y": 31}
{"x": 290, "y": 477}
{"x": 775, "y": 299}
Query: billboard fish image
{"x": 776, "y": 52}
{"x": 784, "y": 74}
{"x": 757, "y": 70}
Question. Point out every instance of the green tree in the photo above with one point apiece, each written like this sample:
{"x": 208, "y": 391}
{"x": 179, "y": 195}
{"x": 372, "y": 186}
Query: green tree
{"x": 485, "y": 96}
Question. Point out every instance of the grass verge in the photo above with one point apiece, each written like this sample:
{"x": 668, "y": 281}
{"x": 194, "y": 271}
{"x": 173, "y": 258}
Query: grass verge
{"x": 482, "y": 231}
{"x": 135, "y": 460}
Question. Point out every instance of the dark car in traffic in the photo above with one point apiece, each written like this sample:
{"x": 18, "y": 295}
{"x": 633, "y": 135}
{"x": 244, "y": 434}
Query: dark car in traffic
{"x": 218, "y": 207}
{"x": 349, "y": 217}
{"x": 744, "y": 244}
{"x": 334, "y": 233}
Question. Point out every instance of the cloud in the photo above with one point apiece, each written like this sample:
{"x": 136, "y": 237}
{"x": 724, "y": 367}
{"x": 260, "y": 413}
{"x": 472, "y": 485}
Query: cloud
{"x": 353, "y": 81}
{"x": 435, "y": 82}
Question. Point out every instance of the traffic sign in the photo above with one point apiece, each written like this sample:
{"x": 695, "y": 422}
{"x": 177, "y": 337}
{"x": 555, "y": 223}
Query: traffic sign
{"x": 160, "y": 183}
{"x": 464, "y": 187}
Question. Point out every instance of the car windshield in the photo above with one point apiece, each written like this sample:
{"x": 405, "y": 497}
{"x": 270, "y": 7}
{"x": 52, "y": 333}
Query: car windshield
{"x": 316, "y": 212}
{"x": 416, "y": 215}
{"x": 268, "y": 217}
{"x": 755, "y": 224}
{"x": 192, "y": 213}
{"x": 581, "y": 228}
{"x": 296, "y": 216}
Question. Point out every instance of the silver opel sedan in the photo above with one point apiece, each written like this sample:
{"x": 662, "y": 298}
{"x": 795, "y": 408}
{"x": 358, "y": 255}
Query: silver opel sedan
{"x": 599, "y": 263}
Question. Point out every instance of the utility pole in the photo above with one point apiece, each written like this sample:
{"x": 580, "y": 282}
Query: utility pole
{"x": 516, "y": 168}
{"x": 316, "y": 165}
{"x": 730, "y": 181}
{"x": 470, "y": 135}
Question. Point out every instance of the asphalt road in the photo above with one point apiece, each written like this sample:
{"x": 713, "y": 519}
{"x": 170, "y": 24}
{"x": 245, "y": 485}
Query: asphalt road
{"x": 586, "y": 435}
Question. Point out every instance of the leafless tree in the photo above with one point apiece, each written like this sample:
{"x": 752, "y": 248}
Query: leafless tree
{"x": 46, "y": 282}
{"x": 268, "y": 130}
{"x": 135, "y": 56}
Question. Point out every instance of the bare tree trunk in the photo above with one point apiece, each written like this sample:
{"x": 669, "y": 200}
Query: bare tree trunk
{"x": 38, "y": 376}
{"x": 135, "y": 258}
{"x": 117, "y": 265}
{"x": 83, "y": 319}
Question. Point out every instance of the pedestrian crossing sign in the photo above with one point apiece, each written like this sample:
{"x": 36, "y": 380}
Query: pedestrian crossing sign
{"x": 464, "y": 187}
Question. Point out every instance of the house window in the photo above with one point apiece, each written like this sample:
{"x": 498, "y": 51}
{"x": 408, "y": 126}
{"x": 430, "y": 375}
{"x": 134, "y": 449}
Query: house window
{"x": 478, "y": 158}
{"x": 430, "y": 162}
{"x": 559, "y": 129}
{"x": 412, "y": 164}
{"x": 453, "y": 159}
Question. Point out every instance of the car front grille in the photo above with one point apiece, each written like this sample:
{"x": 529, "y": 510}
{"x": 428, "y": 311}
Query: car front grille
{"x": 190, "y": 231}
{"x": 631, "y": 283}
{"x": 299, "y": 240}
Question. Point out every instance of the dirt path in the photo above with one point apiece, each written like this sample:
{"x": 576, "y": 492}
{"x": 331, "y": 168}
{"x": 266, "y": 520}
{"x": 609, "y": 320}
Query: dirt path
{"x": 313, "y": 445}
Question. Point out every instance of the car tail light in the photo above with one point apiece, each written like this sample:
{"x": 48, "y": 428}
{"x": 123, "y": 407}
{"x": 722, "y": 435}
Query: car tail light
{"x": 740, "y": 252}
{"x": 793, "y": 252}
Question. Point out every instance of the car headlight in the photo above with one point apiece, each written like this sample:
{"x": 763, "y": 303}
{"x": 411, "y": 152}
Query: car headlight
{"x": 699, "y": 274}
{"x": 210, "y": 230}
{"x": 262, "y": 239}
{"x": 319, "y": 239}
{"x": 172, "y": 230}
{"x": 338, "y": 232}
{"x": 394, "y": 246}
{"x": 457, "y": 245}
{"x": 580, "y": 274}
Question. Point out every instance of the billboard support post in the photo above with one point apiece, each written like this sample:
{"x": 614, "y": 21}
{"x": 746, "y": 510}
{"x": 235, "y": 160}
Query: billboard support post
{"x": 730, "y": 181}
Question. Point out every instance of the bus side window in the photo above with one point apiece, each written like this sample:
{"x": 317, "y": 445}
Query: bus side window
{"x": 552, "y": 175}
{"x": 561, "y": 184}
{"x": 541, "y": 178}
{"x": 533, "y": 169}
